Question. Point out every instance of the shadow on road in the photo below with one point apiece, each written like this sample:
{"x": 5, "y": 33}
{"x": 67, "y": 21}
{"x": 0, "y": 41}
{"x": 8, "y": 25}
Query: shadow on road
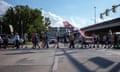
{"x": 19, "y": 53}
{"x": 115, "y": 68}
{"x": 101, "y": 62}
{"x": 79, "y": 66}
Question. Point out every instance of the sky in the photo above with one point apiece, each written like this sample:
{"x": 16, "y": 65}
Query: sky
{"x": 80, "y": 13}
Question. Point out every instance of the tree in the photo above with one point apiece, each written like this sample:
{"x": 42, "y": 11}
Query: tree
{"x": 47, "y": 22}
{"x": 24, "y": 19}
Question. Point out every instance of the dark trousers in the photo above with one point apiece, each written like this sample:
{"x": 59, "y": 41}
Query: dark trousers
{"x": 71, "y": 44}
{"x": 45, "y": 44}
{"x": 17, "y": 44}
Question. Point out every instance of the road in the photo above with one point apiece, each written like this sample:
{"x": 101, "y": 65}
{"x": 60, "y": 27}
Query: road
{"x": 60, "y": 60}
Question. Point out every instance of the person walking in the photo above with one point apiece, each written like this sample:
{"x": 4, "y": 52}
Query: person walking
{"x": 65, "y": 40}
{"x": 57, "y": 38}
{"x": 17, "y": 39}
{"x": 5, "y": 41}
{"x": 35, "y": 41}
{"x": 71, "y": 38}
{"x": 45, "y": 41}
{"x": 25, "y": 39}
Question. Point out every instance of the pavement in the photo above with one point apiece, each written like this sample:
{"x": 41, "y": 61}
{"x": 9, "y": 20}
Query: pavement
{"x": 59, "y": 60}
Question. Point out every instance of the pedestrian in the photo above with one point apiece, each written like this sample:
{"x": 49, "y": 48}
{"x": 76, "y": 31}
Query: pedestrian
{"x": 32, "y": 38}
{"x": 21, "y": 41}
{"x": 115, "y": 45}
{"x": 65, "y": 40}
{"x": 83, "y": 42}
{"x": 57, "y": 40}
{"x": 71, "y": 39}
{"x": 5, "y": 41}
{"x": 25, "y": 39}
{"x": 35, "y": 41}
{"x": 16, "y": 40}
{"x": 45, "y": 41}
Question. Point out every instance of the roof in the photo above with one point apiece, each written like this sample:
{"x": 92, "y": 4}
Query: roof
{"x": 109, "y": 22}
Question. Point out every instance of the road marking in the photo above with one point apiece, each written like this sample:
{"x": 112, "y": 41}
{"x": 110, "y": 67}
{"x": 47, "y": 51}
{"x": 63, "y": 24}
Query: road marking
{"x": 109, "y": 52}
{"x": 55, "y": 66}
{"x": 114, "y": 52}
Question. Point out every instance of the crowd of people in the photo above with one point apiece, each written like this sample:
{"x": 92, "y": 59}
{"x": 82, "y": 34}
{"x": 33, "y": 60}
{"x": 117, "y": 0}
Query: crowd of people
{"x": 100, "y": 41}
{"x": 70, "y": 41}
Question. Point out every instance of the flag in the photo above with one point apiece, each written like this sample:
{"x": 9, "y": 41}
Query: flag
{"x": 67, "y": 24}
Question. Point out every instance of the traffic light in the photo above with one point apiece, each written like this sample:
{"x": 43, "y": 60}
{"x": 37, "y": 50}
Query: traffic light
{"x": 101, "y": 15}
{"x": 106, "y": 12}
{"x": 113, "y": 8}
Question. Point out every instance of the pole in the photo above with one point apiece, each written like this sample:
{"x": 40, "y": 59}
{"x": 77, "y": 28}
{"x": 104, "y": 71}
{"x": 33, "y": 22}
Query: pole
{"x": 95, "y": 14}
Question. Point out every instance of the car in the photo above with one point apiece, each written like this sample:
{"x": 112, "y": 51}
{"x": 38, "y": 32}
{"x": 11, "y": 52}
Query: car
{"x": 52, "y": 40}
{"x": 10, "y": 39}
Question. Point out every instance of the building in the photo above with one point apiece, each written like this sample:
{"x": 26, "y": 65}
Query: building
{"x": 52, "y": 31}
{"x": 111, "y": 26}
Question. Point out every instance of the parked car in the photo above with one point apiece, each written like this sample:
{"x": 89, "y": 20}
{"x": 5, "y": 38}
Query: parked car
{"x": 52, "y": 40}
{"x": 10, "y": 39}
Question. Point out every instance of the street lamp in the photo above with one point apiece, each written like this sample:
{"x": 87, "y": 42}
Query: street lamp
{"x": 95, "y": 14}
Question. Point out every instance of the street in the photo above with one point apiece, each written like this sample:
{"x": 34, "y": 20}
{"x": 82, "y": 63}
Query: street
{"x": 60, "y": 60}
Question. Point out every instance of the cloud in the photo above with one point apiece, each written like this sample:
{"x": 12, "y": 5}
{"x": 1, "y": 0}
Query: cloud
{"x": 84, "y": 22}
{"x": 80, "y": 22}
{"x": 56, "y": 21}
{"x": 4, "y": 6}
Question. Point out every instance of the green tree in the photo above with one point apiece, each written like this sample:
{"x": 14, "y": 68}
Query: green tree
{"x": 24, "y": 19}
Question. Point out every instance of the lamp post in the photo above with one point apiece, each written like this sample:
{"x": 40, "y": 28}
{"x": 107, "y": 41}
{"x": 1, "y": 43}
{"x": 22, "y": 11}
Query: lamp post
{"x": 95, "y": 14}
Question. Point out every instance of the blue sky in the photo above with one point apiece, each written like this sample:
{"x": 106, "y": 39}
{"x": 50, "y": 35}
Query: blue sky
{"x": 78, "y": 12}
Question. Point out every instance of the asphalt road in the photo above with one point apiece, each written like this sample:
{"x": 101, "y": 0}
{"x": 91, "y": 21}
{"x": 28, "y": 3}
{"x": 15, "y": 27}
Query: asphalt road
{"x": 60, "y": 60}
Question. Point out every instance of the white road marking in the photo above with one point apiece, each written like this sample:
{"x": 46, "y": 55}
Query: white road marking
{"x": 110, "y": 52}
{"x": 55, "y": 66}
{"x": 114, "y": 52}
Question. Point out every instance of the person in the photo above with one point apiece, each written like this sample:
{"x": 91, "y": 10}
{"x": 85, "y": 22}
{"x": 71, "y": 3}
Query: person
{"x": 83, "y": 42}
{"x": 21, "y": 41}
{"x": 35, "y": 41}
{"x": 65, "y": 40}
{"x": 57, "y": 40}
{"x": 45, "y": 41}
{"x": 115, "y": 43}
{"x": 32, "y": 38}
{"x": 5, "y": 41}
{"x": 71, "y": 39}
{"x": 25, "y": 39}
{"x": 16, "y": 39}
